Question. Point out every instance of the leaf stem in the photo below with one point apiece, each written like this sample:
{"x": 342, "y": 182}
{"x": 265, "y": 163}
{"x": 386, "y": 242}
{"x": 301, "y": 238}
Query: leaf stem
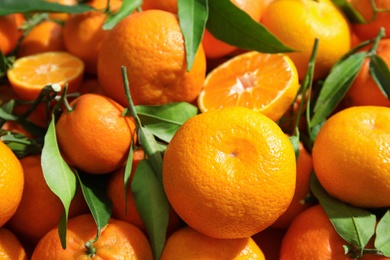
{"x": 128, "y": 97}
{"x": 377, "y": 39}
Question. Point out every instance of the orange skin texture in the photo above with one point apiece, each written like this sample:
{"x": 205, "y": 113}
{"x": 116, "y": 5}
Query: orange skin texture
{"x": 83, "y": 33}
{"x": 118, "y": 240}
{"x": 40, "y": 209}
{"x": 234, "y": 164}
{"x": 298, "y": 22}
{"x": 311, "y": 235}
{"x": 124, "y": 208}
{"x": 364, "y": 91}
{"x": 46, "y": 36}
{"x": 350, "y": 156}
{"x": 95, "y": 137}
{"x": 302, "y": 189}
{"x": 10, "y": 246}
{"x": 370, "y": 29}
{"x": 187, "y": 243}
{"x": 151, "y": 47}
{"x": 215, "y": 48}
{"x": 9, "y": 33}
{"x": 11, "y": 183}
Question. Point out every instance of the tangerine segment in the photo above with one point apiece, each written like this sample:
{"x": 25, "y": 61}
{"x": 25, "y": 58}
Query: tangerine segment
{"x": 267, "y": 83}
{"x": 31, "y": 73}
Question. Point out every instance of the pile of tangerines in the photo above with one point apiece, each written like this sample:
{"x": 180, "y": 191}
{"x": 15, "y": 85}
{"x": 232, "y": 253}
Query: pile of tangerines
{"x": 117, "y": 144}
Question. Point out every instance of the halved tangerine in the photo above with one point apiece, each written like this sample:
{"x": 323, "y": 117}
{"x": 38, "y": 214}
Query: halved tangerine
{"x": 267, "y": 83}
{"x": 31, "y": 73}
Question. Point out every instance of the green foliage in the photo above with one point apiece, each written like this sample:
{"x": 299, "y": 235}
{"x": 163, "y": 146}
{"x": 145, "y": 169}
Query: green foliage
{"x": 353, "y": 15}
{"x": 29, "y": 6}
{"x": 152, "y": 204}
{"x": 163, "y": 121}
{"x": 355, "y": 225}
{"x": 342, "y": 75}
{"x": 99, "y": 204}
{"x": 192, "y": 17}
{"x": 230, "y": 24}
{"x": 147, "y": 186}
{"x": 58, "y": 175}
{"x": 381, "y": 74}
{"x": 126, "y": 9}
{"x": 336, "y": 86}
{"x": 382, "y": 241}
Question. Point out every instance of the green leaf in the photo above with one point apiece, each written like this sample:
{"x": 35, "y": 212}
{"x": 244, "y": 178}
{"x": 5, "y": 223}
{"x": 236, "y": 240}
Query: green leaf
{"x": 336, "y": 86}
{"x": 230, "y": 24}
{"x": 127, "y": 172}
{"x": 127, "y": 7}
{"x": 20, "y": 144}
{"x": 58, "y": 175}
{"x": 313, "y": 132}
{"x": 355, "y": 225}
{"x": 347, "y": 8}
{"x": 193, "y": 16}
{"x": 6, "y": 62}
{"x": 152, "y": 149}
{"x": 381, "y": 74}
{"x": 6, "y": 111}
{"x": 382, "y": 240}
{"x": 94, "y": 191}
{"x": 163, "y": 121}
{"x": 152, "y": 204}
{"x": 295, "y": 143}
{"x": 26, "y": 6}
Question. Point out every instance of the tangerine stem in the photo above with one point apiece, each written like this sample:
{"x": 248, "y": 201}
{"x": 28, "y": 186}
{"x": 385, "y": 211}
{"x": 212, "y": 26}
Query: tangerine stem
{"x": 91, "y": 250}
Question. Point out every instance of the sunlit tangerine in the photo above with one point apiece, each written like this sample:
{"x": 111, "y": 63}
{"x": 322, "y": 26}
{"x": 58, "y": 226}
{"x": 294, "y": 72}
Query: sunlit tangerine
{"x": 31, "y": 73}
{"x": 297, "y": 23}
{"x": 267, "y": 83}
{"x": 189, "y": 244}
{"x": 230, "y": 172}
{"x": 95, "y": 136}
{"x": 11, "y": 183}
{"x": 151, "y": 46}
{"x": 118, "y": 240}
{"x": 351, "y": 156}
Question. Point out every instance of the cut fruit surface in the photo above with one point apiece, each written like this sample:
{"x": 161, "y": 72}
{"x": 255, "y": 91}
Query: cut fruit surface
{"x": 267, "y": 83}
{"x": 31, "y": 73}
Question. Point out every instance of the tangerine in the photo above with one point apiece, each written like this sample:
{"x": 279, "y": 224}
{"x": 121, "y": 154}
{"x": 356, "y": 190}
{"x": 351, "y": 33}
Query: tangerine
{"x": 230, "y": 172}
